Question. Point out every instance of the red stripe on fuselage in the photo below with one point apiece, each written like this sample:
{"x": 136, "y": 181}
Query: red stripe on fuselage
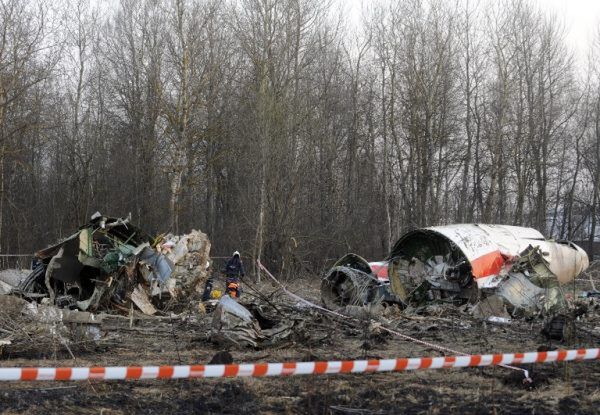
{"x": 487, "y": 265}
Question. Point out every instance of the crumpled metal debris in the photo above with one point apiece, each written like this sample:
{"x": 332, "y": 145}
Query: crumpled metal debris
{"x": 140, "y": 298}
{"x": 491, "y": 306}
{"x": 235, "y": 325}
{"x": 352, "y": 281}
{"x": 5, "y": 288}
{"x": 504, "y": 271}
{"x": 109, "y": 264}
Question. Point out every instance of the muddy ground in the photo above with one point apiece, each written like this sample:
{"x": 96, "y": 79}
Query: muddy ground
{"x": 572, "y": 388}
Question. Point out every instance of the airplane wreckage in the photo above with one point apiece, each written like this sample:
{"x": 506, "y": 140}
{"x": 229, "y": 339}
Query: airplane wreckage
{"x": 110, "y": 264}
{"x": 111, "y": 267}
{"x": 501, "y": 271}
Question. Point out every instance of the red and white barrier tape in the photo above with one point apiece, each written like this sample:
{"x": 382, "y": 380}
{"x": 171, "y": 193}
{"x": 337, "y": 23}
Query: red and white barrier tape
{"x": 288, "y": 369}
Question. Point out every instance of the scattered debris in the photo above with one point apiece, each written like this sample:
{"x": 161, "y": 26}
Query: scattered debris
{"x": 110, "y": 276}
{"x": 13, "y": 277}
{"x": 27, "y": 327}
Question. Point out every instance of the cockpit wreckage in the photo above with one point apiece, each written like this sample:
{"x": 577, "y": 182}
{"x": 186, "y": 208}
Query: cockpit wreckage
{"x": 502, "y": 271}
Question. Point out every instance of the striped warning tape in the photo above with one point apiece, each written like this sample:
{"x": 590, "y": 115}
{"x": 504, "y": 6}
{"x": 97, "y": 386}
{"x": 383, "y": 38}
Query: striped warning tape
{"x": 292, "y": 368}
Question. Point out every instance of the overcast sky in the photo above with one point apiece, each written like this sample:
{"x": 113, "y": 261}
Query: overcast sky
{"x": 581, "y": 18}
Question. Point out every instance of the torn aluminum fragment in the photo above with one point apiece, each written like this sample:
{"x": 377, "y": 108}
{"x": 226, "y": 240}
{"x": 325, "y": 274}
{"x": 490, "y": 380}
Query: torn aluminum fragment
{"x": 161, "y": 266}
{"x": 521, "y": 293}
{"x": 491, "y": 306}
{"x": 233, "y": 324}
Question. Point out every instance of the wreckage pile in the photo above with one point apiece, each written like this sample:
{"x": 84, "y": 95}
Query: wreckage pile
{"x": 89, "y": 298}
{"x": 111, "y": 267}
{"x": 190, "y": 254}
{"x": 499, "y": 272}
{"x": 110, "y": 264}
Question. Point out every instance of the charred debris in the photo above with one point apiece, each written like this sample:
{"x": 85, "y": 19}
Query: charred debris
{"x": 495, "y": 272}
{"x": 111, "y": 272}
{"x": 500, "y": 271}
{"x": 110, "y": 264}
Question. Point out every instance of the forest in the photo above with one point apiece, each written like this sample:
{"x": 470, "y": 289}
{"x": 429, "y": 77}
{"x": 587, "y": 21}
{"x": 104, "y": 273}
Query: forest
{"x": 285, "y": 132}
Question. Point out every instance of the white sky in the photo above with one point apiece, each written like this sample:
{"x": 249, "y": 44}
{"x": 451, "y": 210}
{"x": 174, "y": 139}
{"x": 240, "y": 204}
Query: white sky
{"x": 580, "y": 17}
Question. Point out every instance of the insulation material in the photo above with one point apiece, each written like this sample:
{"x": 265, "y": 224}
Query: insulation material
{"x": 190, "y": 255}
